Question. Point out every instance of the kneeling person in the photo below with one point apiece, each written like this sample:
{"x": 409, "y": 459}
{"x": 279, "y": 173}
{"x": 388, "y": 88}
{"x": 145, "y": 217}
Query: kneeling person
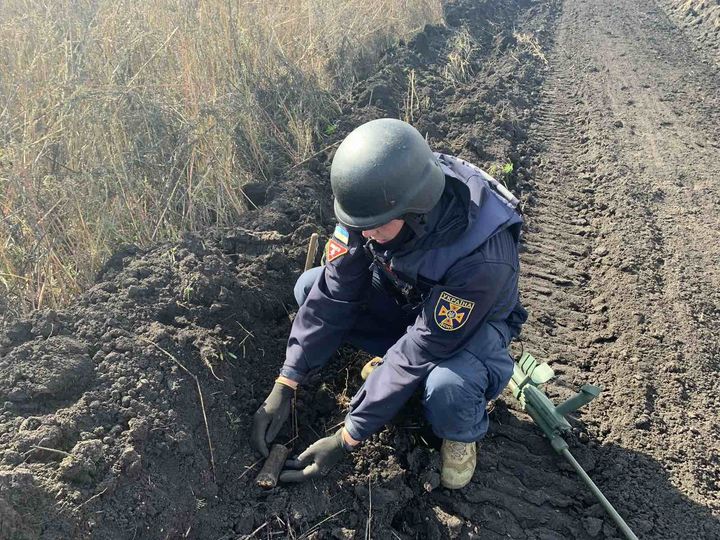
{"x": 422, "y": 270}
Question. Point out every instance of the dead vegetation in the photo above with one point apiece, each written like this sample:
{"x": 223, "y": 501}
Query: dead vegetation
{"x": 133, "y": 122}
{"x": 459, "y": 68}
{"x": 531, "y": 44}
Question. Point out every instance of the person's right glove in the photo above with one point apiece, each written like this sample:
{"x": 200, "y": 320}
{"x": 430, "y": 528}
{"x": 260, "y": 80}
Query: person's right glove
{"x": 270, "y": 417}
{"x": 317, "y": 459}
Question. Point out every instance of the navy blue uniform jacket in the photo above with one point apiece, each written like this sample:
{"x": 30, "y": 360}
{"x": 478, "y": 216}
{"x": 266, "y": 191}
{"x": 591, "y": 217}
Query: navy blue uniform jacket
{"x": 459, "y": 270}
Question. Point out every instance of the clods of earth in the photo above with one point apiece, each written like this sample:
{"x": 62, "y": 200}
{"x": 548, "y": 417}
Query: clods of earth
{"x": 126, "y": 415}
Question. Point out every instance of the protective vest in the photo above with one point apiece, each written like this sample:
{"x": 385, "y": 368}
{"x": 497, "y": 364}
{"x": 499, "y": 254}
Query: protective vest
{"x": 491, "y": 209}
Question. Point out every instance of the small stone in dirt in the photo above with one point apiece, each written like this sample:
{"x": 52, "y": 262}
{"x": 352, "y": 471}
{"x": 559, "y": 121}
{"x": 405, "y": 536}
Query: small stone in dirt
{"x": 130, "y": 462}
{"x": 643, "y": 422}
{"x": 592, "y": 525}
{"x": 430, "y": 480}
{"x": 343, "y": 534}
{"x": 31, "y": 423}
{"x": 124, "y": 344}
{"x": 139, "y": 429}
{"x": 113, "y": 357}
{"x": 12, "y": 457}
{"x": 618, "y": 123}
{"x": 81, "y": 464}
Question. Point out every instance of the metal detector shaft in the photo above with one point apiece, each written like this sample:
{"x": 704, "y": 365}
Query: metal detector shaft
{"x": 528, "y": 374}
{"x": 617, "y": 518}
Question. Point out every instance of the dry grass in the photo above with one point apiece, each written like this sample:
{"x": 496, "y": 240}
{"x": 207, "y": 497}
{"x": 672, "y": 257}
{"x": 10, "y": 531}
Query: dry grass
{"x": 134, "y": 121}
{"x": 458, "y": 69}
{"x": 531, "y": 43}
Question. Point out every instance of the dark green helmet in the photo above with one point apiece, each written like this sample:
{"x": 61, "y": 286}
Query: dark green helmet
{"x": 383, "y": 170}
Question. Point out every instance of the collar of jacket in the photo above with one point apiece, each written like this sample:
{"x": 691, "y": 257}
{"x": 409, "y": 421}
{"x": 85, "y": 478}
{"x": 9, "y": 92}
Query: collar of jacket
{"x": 448, "y": 219}
{"x": 445, "y": 223}
{"x": 467, "y": 215}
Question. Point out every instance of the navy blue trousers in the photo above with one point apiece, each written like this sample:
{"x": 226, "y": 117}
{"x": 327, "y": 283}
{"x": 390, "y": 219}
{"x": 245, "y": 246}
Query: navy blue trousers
{"x": 456, "y": 392}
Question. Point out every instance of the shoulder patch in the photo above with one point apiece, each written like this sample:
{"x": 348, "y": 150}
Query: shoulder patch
{"x": 451, "y": 312}
{"x": 341, "y": 234}
{"x": 334, "y": 250}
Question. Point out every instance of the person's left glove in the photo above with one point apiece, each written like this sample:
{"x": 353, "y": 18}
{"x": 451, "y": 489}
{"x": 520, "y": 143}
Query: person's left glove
{"x": 317, "y": 460}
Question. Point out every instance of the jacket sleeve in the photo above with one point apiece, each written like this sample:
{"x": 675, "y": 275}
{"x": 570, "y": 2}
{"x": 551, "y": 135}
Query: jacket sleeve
{"x": 330, "y": 310}
{"x": 452, "y": 313}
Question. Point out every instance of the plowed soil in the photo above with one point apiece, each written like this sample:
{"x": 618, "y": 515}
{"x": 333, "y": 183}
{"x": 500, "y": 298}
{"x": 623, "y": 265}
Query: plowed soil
{"x": 127, "y": 414}
{"x": 701, "y": 21}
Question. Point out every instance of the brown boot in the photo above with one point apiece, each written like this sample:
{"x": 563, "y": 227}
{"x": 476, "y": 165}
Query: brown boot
{"x": 458, "y": 463}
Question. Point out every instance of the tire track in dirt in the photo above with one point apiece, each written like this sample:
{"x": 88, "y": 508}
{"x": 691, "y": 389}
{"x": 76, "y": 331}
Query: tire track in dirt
{"x": 621, "y": 258}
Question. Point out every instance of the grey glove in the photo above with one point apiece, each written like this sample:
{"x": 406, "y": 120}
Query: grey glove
{"x": 270, "y": 417}
{"x": 317, "y": 460}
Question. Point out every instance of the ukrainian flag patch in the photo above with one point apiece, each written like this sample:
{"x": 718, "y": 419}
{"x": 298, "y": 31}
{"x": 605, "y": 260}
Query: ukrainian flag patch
{"x": 451, "y": 312}
{"x": 342, "y": 234}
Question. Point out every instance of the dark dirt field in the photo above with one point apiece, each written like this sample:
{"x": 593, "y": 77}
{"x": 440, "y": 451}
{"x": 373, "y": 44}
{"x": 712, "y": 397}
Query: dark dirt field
{"x": 611, "y": 124}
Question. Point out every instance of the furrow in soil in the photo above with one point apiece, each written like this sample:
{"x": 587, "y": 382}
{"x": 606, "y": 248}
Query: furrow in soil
{"x": 621, "y": 255}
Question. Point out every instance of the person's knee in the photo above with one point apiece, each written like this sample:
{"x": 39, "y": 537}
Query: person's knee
{"x": 300, "y": 292}
{"x": 489, "y": 346}
{"x": 444, "y": 387}
{"x": 454, "y": 399}
{"x": 304, "y": 283}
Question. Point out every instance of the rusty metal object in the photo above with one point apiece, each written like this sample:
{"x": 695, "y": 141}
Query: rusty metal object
{"x": 268, "y": 476}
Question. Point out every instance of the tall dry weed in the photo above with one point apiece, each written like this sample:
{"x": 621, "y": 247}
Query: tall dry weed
{"x": 131, "y": 121}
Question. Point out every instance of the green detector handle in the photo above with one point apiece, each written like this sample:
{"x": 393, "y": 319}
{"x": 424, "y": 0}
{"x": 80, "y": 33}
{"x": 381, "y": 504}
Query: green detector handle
{"x": 587, "y": 393}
